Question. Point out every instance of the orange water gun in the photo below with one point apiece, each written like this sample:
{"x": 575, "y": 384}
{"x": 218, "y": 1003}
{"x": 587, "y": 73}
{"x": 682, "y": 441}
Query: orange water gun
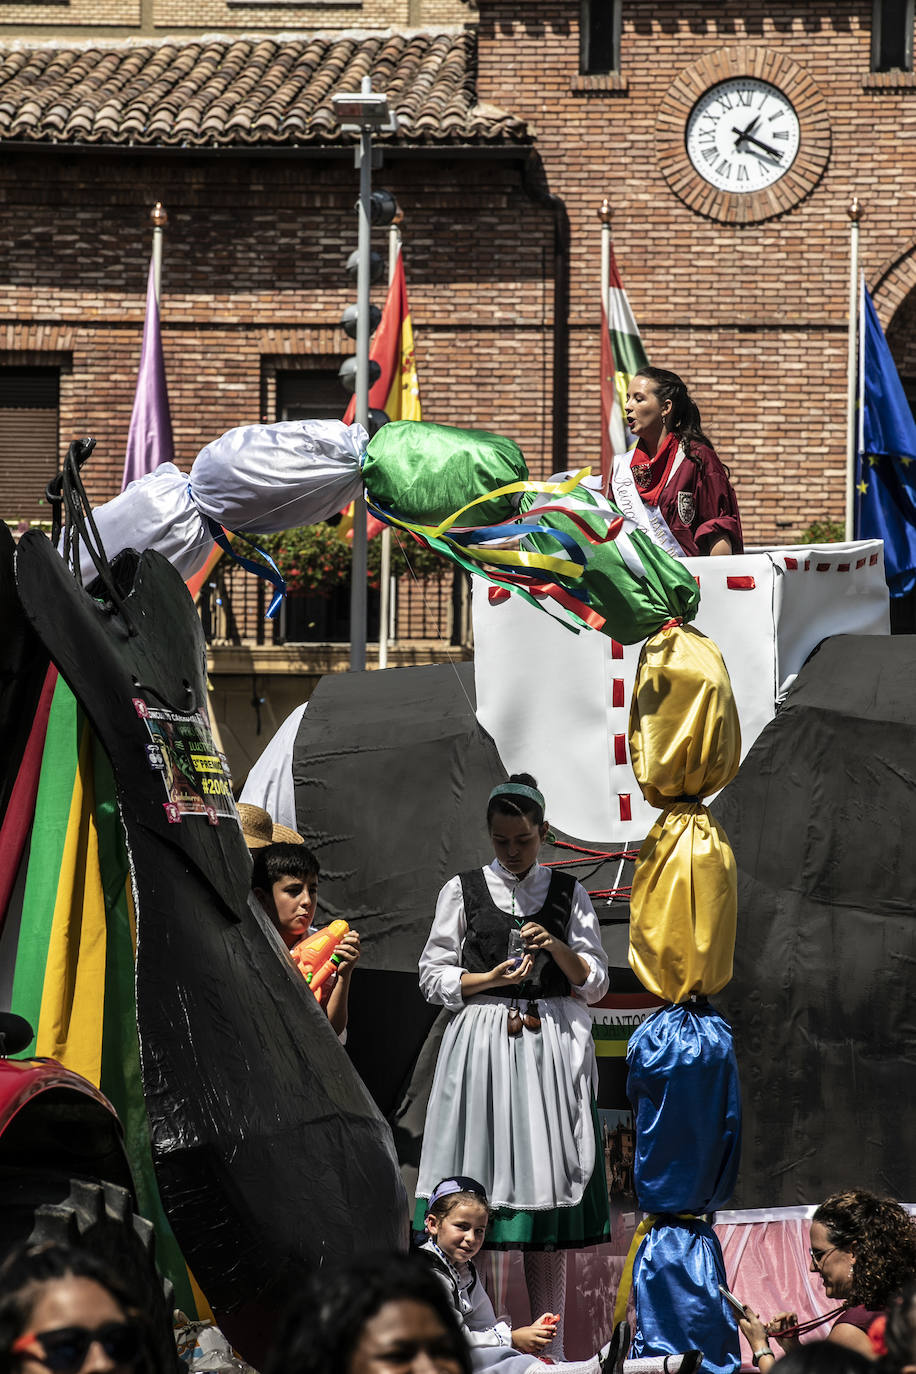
{"x": 317, "y": 958}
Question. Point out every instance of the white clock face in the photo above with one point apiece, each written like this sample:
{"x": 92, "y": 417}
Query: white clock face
{"x": 742, "y": 135}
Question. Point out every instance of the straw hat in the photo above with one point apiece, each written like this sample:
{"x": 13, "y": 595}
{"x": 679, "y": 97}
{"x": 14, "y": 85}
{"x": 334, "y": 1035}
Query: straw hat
{"x": 259, "y": 830}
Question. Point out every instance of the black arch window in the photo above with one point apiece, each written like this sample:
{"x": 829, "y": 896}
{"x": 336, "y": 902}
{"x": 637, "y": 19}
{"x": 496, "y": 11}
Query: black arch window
{"x": 599, "y": 36}
{"x": 892, "y": 36}
{"x": 314, "y": 394}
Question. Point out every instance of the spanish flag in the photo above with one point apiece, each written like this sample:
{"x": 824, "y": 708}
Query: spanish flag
{"x": 622, "y": 355}
{"x": 397, "y": 390}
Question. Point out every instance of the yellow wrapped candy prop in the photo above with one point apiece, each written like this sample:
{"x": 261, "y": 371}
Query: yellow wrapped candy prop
{"x": 685, "y": 743}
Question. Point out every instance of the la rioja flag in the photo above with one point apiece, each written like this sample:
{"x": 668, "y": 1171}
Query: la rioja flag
{"x": 622, "y": 355}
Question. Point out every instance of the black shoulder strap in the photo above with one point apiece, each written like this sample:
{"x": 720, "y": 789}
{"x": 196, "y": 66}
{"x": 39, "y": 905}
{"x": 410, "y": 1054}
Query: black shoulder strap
{"x": 563, "y": 885}
{"x": 474, "y": 887}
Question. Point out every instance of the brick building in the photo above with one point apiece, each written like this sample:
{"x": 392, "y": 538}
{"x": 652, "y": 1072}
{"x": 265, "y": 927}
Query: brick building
{"x": 515, "y": 122}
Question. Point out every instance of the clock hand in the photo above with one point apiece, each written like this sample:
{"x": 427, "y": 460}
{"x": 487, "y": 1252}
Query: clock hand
{"x": 749, "y": 138}
{"x": 745, "y": 133}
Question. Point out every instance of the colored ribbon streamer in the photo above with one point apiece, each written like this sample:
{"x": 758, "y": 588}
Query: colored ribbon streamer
{"x": 574, "y": 604}
{"x": 275, "y": 577}
{"x": 468, "y": 538}
{"x": 625, "y": 1286}
{"x": 563, "y": 568}
{"x": 435, "y": 532}
{"x": 615, "y": 523}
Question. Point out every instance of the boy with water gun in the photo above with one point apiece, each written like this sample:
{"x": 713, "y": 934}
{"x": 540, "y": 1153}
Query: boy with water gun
{"x": 285, "y": 881}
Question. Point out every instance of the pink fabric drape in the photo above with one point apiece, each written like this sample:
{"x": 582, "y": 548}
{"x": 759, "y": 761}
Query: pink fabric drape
{"x": 768, "y": 1267}
{"x": 766, "y": 1260}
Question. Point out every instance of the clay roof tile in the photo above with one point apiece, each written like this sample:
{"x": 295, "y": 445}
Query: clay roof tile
{"x": 245, "y": 90}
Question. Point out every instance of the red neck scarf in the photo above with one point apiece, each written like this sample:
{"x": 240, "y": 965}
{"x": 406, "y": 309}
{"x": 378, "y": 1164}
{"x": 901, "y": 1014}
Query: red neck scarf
{"x": 651, "y": 474}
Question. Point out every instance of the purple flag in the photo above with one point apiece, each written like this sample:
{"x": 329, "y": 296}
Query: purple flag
{"x": 149, "y": 441}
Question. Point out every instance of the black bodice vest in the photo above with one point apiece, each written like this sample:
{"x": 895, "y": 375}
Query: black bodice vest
{"x": 487, "y": 939}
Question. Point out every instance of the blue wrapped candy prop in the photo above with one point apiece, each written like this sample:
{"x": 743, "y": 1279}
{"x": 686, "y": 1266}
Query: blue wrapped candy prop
{"x": 683, "y": 1083}
{"x": 676, "y": 1275}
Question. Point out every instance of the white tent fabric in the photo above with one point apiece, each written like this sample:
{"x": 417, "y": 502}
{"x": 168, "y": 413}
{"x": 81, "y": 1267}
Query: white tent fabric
{"x": 270, "y": 782}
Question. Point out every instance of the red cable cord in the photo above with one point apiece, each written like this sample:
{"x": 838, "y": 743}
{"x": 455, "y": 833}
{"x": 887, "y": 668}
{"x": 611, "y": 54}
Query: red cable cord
{"x": 801, "y": 1327}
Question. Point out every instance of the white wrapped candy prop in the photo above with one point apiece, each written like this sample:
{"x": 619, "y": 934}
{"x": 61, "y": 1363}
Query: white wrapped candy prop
{"x": 154, "y": 512}
{"x": 262, "y": 478}
{"x": 254, "y": 480}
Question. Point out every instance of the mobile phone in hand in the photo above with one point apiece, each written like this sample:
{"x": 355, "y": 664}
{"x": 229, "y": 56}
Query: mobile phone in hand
{"x": 732, "y": 1301}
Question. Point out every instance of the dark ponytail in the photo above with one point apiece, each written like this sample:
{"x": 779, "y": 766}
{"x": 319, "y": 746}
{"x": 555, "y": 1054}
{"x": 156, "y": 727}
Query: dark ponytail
{"x": 684, "y": 415}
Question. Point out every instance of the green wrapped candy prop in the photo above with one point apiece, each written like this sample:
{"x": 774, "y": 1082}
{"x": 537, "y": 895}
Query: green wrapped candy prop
{"x": 635, "y": 586}
{"x": 465, "y": 494}
{"x": 421, "y": 473}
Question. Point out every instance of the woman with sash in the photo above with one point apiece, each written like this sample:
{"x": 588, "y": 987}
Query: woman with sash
{"x": 673, "y": 485}
{"x": 515, "y": 955}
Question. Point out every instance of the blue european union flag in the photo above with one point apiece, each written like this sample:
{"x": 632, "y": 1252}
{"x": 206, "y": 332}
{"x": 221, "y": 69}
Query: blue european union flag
{"x": 886, "y": 463}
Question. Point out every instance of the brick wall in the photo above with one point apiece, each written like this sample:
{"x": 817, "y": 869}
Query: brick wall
{"x": 156, "y": 18}
{"x": 253, "y": 268}
{"x": 753, "y": 317}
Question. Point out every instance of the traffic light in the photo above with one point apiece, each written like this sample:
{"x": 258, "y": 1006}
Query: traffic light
{"x": 350, "y": 316}
{"x": 383, "y": 207}
{"x": 378, "y": 266}
{"x": 346, "y": 373}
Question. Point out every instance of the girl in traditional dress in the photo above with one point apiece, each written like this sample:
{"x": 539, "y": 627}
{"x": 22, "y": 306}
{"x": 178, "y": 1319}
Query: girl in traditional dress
{"x": 515, "y": 952}
{"x": 456, "y": 1224}
{"x": 673, "y": 485}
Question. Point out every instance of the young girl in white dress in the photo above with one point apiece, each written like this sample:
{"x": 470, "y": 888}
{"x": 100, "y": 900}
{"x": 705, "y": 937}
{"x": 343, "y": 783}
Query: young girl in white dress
{"x": 456, "y": 1224}
{"x": 515, "y": 952}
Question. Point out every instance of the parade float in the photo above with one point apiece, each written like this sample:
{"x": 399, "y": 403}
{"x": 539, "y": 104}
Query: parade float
{"x": 250, "y": 1107}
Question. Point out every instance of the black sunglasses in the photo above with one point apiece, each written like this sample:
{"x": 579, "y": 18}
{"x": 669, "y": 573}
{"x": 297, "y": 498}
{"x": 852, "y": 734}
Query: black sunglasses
{"x": 64, "y": 1350}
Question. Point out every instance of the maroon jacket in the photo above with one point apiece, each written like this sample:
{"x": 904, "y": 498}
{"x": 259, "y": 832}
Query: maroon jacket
{"x": 699, "y": 504}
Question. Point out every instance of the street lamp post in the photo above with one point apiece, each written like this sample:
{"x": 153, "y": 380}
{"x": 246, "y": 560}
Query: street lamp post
{"x": 366, "y": 112}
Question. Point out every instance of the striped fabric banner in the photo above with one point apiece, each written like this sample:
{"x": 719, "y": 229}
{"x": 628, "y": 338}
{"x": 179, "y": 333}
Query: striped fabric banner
{"x": 75, "y": 960}
{"x": 622, "y": 355}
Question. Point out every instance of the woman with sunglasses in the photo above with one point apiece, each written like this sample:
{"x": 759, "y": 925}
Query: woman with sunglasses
{"x": 863, "y": 1248}
{"x": 61, "y": 1311}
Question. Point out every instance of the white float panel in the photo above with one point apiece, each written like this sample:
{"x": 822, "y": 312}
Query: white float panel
{"x": 557, "y": 703}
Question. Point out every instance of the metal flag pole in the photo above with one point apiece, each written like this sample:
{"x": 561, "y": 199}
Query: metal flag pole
{"x": 854, "y": 211}
{"x": 159, "y": 220}
{"x": 364, "y": 111}
{"x": 364, "y": 245}
{"x": 387, "y": 585}
{"x": 604, "y": 214}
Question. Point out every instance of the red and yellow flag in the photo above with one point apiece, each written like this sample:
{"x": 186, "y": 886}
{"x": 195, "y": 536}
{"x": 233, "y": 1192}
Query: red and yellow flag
{"x": 397, "y": 390}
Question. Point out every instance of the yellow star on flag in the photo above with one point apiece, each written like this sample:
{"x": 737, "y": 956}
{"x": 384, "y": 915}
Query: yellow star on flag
{"x": 872, "y": 459}
{"x": 862, "y": 487}
{"x": 905, "y": 461}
